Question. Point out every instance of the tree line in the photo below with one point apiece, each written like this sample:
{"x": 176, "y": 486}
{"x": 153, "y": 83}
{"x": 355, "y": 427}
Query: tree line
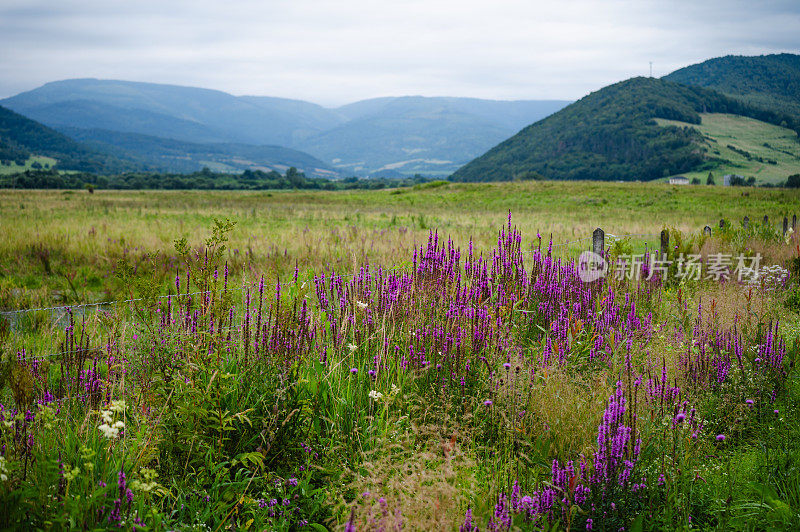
{"x": 204, "y": 179}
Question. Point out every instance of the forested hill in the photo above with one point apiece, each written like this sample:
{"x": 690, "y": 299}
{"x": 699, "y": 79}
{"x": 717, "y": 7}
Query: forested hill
{"x": 768, "y": 81}
{"x": 611, "y": 134}
{"x": 21, "y": 137}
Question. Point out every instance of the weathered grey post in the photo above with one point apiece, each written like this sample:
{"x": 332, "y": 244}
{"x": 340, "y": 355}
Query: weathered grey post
{"x": 746, "y": 222}
{"x": 766, "y": 220}
{"x": 598, "y": 241}
{"x": 664, "y": 243}
{"x": 707, "y": 230}
{"x": 794, "y": 222}
{"x": 721, "y": 223}
{"x": 785, "y": 225}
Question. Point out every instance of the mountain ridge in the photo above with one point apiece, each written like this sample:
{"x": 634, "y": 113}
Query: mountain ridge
{"x": 197, "y": 115}
{"x": 611, "y": 134}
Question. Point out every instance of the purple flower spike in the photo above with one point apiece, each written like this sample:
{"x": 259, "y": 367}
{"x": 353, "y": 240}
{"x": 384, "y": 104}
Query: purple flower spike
{"x": 720, "y": 437}
{"x": 353, "y": 370}
{"x": 487, "y": 402}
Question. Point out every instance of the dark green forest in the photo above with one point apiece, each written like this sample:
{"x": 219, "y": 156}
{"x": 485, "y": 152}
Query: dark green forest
{"x": 20, "y": 137}
{"x": 202, "y": 180}
{"x": 770, "y": 81}
{"x": 611, "y": 134}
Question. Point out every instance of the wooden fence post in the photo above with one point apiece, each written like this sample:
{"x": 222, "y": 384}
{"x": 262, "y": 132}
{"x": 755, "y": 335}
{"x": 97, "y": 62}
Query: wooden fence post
{"x": 707, "y": 230}
{"x": 722, "y": 223}
{"x": 598, "y": 241}
{"x": 746, "y": 222}
{"x": 794, "y": 222}
{"x": 766, "y": 220}
{"x": 664, "y": 243}
{"x": 785, "y": 226}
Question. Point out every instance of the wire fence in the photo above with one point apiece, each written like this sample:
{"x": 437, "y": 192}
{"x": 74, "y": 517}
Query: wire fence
{"x": 83, "y": 307}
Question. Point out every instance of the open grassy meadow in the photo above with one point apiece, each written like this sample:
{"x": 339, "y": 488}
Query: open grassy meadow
{"x": 747, "y": 146}
{"x": 67, "y": 244}
{"x": 12, "y": 167}
{"x": 408, "y": 359}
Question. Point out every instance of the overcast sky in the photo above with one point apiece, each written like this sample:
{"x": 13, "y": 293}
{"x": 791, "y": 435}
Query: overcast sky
{"x": 338, "y": 51}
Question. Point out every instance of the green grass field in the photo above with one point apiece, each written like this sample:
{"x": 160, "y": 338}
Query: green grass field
{"x": 45, "y": 162}
{"x": 481, "y": 390}
{"x": 758, "y": 138}
{"x": 82, "y": 234}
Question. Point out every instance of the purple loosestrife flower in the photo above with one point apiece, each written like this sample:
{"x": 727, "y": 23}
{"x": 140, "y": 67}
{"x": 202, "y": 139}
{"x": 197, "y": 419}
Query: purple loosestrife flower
{"x": 720, "y": 437}
{"x": 293, "y": 482}
{"x": 468, "y": 526}
{"x": 350, "y": 527}
{"x": 353, "y": 371}
{"x": 487, "y": 402}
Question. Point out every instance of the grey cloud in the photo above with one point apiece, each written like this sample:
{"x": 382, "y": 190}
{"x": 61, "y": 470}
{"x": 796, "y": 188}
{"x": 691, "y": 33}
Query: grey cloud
{"x": 339, "y": 51}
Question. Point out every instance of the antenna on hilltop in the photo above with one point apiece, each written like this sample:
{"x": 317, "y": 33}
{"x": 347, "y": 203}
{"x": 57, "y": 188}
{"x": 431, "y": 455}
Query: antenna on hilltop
{"x": 651, "y": 69}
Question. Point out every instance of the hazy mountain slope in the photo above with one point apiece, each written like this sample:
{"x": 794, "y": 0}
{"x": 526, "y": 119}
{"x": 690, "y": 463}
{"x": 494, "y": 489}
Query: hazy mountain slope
{"x": 169, "y": 155}
{"x": 21, "y": 137}
{"x": 513, "y": 114}
{"x": 411, "y": 134}
{"x": 233, "y": 119}
{"x": 97, "y": 115}
{"x": 311, "y": 118}
{"x": 611, "y": 134}
{"x": 417, "y": 134}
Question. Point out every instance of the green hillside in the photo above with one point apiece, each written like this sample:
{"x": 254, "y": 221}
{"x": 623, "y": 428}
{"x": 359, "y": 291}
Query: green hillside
{"x": 22, "y": 138}
{"x": 746, "y": 147}
{"x": 612, "y": 134}
{"x": 767, "y": 81}
{"x": 168, "y": 155}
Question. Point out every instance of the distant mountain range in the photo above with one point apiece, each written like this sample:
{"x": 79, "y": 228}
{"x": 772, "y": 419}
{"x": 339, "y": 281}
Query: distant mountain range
{"x": 737, "y": 114}
{"x": 404, "y": 135}
{"x": 615, "y": 133}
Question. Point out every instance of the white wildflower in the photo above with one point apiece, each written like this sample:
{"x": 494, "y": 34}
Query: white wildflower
{"x": 361, "y": 305}
{"x": 375, "y": 395}
{"x": 352, "y": 347}
{"x": 109, "y": 432}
